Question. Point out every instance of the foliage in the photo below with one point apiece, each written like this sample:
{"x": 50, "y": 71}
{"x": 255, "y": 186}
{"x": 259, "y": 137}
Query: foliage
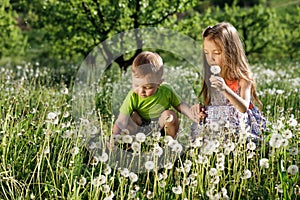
{"x": 12, "y": 43}
{"x": 70, "y": 29}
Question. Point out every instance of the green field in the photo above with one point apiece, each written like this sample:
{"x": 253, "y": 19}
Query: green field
{"x": 46, "y": 153}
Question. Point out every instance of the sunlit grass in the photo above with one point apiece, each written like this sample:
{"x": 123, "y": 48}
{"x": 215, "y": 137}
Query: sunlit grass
{"x": 46, "y": 153}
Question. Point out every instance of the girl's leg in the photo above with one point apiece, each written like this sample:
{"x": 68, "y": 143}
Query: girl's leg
{"x": 168, "y": 121}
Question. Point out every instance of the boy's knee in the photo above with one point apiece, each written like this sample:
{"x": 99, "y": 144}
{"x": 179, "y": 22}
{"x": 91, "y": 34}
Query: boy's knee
{"x": 136, "y": 118}
{"x": 169, "y": 117}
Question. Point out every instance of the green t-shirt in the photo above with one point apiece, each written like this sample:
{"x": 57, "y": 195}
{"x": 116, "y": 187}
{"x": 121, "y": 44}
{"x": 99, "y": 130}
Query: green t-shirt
{"x": 151, "y": 107}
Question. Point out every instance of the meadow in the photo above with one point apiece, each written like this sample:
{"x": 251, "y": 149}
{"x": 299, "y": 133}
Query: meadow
{"x": 49, "y": 153}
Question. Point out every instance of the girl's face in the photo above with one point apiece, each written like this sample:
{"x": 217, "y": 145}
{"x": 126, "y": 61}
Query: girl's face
{"x": 213, "y": 53}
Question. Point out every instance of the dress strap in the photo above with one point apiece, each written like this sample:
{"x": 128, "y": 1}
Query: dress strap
{"x": 233, "y": 85}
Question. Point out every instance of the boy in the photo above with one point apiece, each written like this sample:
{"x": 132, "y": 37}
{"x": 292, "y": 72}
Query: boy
{"x": 150, "y": 99}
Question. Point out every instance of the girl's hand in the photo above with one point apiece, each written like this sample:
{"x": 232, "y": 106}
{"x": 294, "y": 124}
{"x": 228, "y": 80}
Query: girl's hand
{"x": 217, "y": 82}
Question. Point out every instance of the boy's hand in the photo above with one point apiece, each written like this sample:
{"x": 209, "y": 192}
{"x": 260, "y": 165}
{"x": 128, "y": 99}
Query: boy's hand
{"x": 199, "y": 112}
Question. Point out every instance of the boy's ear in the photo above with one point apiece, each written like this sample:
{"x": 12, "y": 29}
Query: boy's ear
{"x": 162, "y": 80}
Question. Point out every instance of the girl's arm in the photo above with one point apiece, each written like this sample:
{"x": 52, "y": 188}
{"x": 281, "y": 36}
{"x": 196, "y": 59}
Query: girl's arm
{"x": 241, "y": 103}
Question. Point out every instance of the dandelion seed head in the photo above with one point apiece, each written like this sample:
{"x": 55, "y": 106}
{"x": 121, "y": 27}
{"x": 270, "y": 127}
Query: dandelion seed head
{"x": 95, "y": 161}
{"x": 276, "y": 140}
{"x": 215, "y": 179}
{"x": 127, "y": 139}
{"x": 213, "y": 172}
{"x": 177, "y": 148}
{"x": 140, "y": 137}
{"x": 74, "y": 151}
{"x": 125, "y": 172}
{"x": 47, "y": 150}
{"x": 52, "y": 118}
{"x": 136, "y": 147}
{"x": 292, "y": 122}
{"x": 124, "y": 132}
{"x": 215, "y": 69}
{"x": 133, "y": 177}
{"x": 149, "y": 165}
{"x": 177, "y": 190}
{"x": 65, "y": 91}
{"x": 251, "y": 146}
{"x": 103, "y": 157}
{"x": 279, "y": 188}
{"x": 101, "y": 179}
{"x": 169, "y": 118}
{"x": 247, "y": 174}
{"x": 294, "y": 151}
{"x": 107, "y": 170}
{"x": 287, "y": 134}
{"x": 157, "y": 151}
{"x": 264, "y": 163}
{"x": 149, "y": 195}
{"x": 293, "y": 169}
{"x": 82, "y": 181}
{"x": 251, "y": 154}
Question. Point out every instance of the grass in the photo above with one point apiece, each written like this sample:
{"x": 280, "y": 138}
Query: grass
{"x": 47, "y": 152}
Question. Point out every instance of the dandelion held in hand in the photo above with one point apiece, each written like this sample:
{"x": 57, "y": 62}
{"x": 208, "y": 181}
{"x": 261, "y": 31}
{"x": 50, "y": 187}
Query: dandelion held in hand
{"x": 215, "y": 69}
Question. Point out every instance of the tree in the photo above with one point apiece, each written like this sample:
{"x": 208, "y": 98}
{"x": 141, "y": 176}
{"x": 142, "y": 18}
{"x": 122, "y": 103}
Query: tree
{"x": 70, "y": 29}
{"x": 13, "y": 42}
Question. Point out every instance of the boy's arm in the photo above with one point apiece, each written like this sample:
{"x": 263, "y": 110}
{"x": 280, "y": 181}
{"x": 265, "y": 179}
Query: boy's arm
{"x": 121, "y": 123}
{"x": 184, "y": 108}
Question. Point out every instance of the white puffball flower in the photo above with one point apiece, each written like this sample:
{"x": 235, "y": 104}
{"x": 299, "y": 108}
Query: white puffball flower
{"x": 74, "y": 151}
{"x": 52, "y": 118}
{"x": 82, "y": 181}
{"x": 140, "y": 137}
{"x": 177, "y": 148}
{"x": 169, "y": 118}
{"x": 213, "y": 172}
{"x": 287, "y": 134}
{"x": 125, "y": 172}
{"x": 136, "y": 147}
{"x": 247, "y": 174}
{"x": 251, "y": 146}
{"x": 157, "y": 150}
{"x": 276, "y": 140}
{"x": 149, "y": 165}
{"x": 127, "y": 139}
{"x": 215, "y": 69}
{"x": 133, "y": 177}
{"x": 293, "y": 169}
{"x": 103, "y": 157}
{"x": 264, "y": 163}
{"x": 177, "y": 190}
{"x": 294, "y": 151}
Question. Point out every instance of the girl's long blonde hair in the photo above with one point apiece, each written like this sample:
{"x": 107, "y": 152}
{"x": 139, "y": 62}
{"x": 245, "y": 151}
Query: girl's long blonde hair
{"x": 234, "y": 60}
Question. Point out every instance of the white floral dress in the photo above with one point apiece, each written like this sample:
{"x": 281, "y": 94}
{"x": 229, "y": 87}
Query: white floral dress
{"x": 222, "y": 114}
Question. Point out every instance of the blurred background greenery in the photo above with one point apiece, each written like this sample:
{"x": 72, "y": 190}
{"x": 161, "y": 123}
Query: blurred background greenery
{"x": 59, "y": 34}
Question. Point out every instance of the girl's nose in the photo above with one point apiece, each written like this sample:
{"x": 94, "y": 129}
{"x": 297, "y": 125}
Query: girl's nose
{"x": 210, "y": 58}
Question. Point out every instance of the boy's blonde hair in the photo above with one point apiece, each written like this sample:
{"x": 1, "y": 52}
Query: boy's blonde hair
{"x": 147, "y": 63}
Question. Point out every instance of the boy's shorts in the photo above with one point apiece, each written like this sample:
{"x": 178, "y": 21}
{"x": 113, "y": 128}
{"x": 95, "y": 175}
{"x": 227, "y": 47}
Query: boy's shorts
{"x": 148, "y": 126}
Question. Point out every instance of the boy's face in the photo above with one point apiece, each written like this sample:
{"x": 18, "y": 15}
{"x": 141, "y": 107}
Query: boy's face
{"x": 145, "y": 86}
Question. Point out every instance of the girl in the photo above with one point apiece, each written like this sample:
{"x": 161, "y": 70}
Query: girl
{"x": 228, "y": 88}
